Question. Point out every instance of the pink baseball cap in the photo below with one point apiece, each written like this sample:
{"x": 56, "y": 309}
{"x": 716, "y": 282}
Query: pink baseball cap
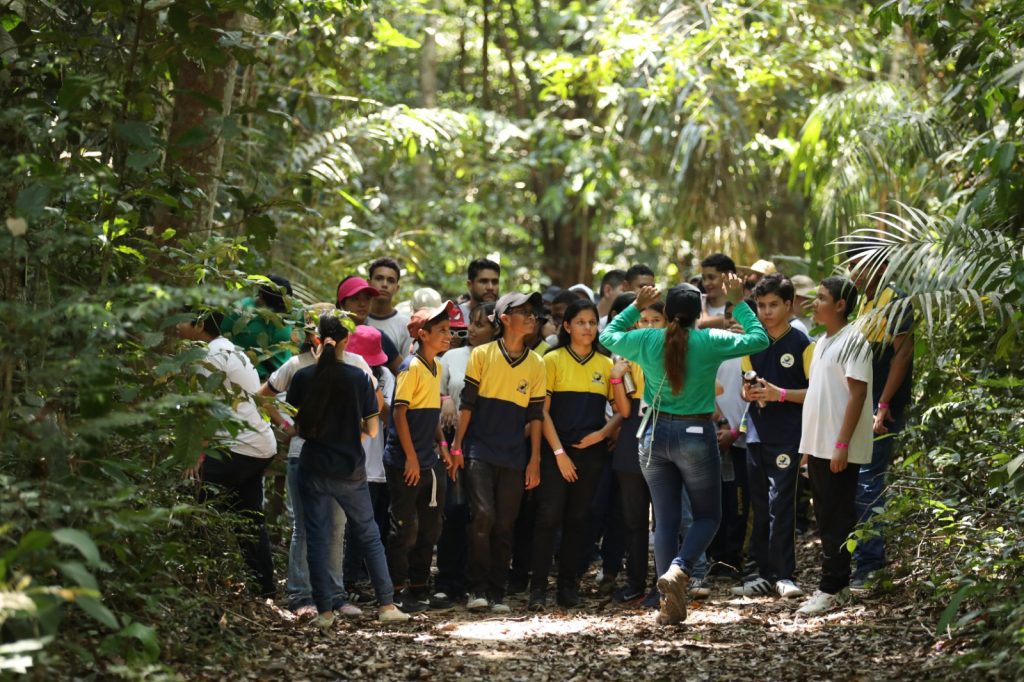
{"x": 365, "y": 342}
{"x": 353, "y": 286}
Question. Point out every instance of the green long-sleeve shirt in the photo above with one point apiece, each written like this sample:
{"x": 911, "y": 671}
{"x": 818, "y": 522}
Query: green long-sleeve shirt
{"x": 707, "y": 349}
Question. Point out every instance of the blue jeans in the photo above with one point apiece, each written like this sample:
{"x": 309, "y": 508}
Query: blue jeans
{"x": 679, "y": 459}
{"x": 298, "y": 588}
{"x": 319, "y": 494}
{"x": 869, "y": 555}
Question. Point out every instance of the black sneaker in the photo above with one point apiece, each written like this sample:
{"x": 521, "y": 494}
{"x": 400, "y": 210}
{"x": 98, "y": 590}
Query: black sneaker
{"x": 627, "y": 594}
{"x": 652, "y": 600}
{"x": 567, "y": 597}
{"x": 538, "y": 600}
{"x": 407, "y": 602}
{"x": 438, "y": 601}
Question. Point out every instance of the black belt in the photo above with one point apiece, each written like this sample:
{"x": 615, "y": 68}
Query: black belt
{"x": 689, "y": 417}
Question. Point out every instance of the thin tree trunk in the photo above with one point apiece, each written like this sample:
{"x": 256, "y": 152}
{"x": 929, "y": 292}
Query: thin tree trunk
{"x": 513, "y": 78}
{"x": 428, "y": 89}
{"x": 484, "y": 59}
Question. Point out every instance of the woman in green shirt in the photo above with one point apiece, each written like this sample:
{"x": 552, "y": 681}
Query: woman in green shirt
{"x": 678, "y": 447}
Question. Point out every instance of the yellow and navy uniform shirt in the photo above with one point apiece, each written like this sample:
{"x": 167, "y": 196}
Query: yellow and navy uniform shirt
{"x": 504, "y": 393}
{"x": 880, "y": 333}
{"x": 580, "y": 388}
{"x": 418, "y": 386}
{"x": 787, "y": 364}
{"x": 626, "y": 455}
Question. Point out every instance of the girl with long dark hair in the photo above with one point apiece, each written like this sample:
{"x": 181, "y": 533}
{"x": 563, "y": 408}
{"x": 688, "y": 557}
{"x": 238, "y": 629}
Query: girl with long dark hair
{"x": 678, "y": 448}
{"x": 581, "y": 380}
{"x": 337, "y": 407}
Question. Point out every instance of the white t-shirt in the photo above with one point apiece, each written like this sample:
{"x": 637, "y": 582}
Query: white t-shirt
{"x": 395, "y": 327}
{"x": 242, "y": 381}
{"x": 731, "y": 403}
{"x": 828, "y": 395}
{"x": 453, "y": 373}
{"x": 281, "y": 379}
{"x": 374, "y": 447}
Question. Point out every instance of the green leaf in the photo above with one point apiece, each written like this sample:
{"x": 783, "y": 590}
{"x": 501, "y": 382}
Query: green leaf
{"x": 1014, "y": 465}
{"x": 95, "y": 608}
{"x": 1004, "y": 159}
{"x": 77, "y": 572}
{"x": 954, "y": 604}
{"x": 142, "y": 160}
{"x": 32, "y": 200}
{"x": 388, "y": 36}
{"x": 146, "y": 636}
{"x": 135, "y": 133}
{"x": 81, "y": 541}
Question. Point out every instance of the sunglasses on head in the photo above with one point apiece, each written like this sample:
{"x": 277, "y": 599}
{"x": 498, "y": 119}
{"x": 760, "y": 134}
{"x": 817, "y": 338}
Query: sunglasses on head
{"x": 459, "y": 333}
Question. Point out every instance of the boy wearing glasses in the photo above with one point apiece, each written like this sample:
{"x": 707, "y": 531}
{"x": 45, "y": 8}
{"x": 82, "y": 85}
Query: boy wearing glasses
{"x": 504, "y": 392}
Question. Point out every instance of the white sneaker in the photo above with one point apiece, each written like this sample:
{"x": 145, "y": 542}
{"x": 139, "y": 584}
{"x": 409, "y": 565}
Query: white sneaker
{"x": 820, "y": 602}
{"x": 349, "y": 610}
{"x": 325, "y": 621}
{"x": 499, "y": 608}
{"x": 787, "y": 589}
{"x": 391, "y": 614}
{"x": 758, "y": 587}
{"x": 476, "y": 603}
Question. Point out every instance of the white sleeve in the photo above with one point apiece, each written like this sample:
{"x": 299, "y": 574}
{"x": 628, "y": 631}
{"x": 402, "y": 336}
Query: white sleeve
{"x": 857, "y": 364}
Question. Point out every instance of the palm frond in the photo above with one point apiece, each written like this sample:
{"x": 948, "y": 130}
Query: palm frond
{"x": 945, "y": 267}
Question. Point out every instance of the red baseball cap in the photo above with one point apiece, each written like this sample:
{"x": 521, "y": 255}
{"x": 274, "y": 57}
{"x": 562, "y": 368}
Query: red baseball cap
{"x": 456, "y": 317}
{"x": 424, "y": 315}
{"x": 353, "y": 286}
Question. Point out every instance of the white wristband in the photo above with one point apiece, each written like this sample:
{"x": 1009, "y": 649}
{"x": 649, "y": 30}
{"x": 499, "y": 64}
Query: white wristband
{"x": 559, "y": 451}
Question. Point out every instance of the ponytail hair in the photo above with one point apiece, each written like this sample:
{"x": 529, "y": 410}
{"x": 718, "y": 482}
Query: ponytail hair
{"x": 329, "y": 385}
{"x": 677, "y": 343}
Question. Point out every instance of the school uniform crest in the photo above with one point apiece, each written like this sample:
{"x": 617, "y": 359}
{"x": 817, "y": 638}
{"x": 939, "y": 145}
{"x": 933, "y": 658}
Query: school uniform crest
{"x": 596, "y": 378}
{"x": 782, "y": 461}
{"x": 523, "y": 386}
{"x": 787, "y": 360}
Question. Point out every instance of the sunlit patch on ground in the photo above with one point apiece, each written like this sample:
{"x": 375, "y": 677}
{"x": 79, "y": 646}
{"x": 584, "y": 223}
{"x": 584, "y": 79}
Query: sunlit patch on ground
{"x": 510, "y": 630}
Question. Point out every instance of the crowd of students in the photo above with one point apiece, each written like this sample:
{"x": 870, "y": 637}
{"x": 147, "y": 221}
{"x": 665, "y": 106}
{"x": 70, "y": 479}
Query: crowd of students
{"x": 496, "y": 438}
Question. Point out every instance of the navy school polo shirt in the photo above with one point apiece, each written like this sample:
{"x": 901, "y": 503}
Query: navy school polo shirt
{"x": 787, "y": 364}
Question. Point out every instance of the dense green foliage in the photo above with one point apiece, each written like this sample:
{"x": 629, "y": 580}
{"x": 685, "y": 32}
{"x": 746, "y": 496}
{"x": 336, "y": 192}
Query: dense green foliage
{"x": 158, "y": 154}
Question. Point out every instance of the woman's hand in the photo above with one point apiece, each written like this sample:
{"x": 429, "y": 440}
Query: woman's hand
{"x": 566, "y": 468}
{"x": 733, "y": 287}
{"x": 646, "y": 296}
{"x": 449, "y": 415}
{"x": 591, "y": 439}
{"x": 620, "y": 368}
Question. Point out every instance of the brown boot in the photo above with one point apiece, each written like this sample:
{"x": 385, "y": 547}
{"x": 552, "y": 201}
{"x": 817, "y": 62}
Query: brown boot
{"x": 673, "y": 585}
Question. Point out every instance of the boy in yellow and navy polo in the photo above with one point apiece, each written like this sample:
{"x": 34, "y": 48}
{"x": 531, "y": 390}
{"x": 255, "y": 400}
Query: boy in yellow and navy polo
{"x": 503, "y": 394}
{"x": 773, "y": 439}
{"x": 416, "y": 476}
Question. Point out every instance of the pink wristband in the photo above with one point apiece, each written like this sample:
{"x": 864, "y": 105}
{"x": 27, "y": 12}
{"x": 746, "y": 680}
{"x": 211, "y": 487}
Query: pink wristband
{"x": 841, "y": 445}
{"x": 782, "y": 395}
{"x": 734, "y": 432}
{"x": 883, "y": 406}
{"x": 456, "y": 453}
{"x": 443, "y": 443}
{"x": 613, "y": 381}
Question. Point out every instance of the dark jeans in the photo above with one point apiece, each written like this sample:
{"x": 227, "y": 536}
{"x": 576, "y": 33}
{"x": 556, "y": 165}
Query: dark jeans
{"x": 869, "y": 554}
{"x": 633, "y": 512}
{"x": 522, "y": 540}
{"x": 494, "y": 495}
{"x": 677, "y": 456}
{"x": 318, "y": 496}
{"x": 772, "y": 472}
{"x": 451, "y": 546}
{"x": 727, "y": 547}
{"x": 416, "y": 512}
{"x": 567, "y": 507}
{"x": 241, "y": 477}
{"x": 354, "y": 564}
{"x": 834, "y": 508}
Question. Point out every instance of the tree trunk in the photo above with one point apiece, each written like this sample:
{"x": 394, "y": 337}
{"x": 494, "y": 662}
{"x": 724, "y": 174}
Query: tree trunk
{"x": 203, "y": 93}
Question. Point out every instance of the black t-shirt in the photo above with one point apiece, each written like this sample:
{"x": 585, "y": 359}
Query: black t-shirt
{"x": 881, "y": 335}
{"x": 339, "y": 452}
